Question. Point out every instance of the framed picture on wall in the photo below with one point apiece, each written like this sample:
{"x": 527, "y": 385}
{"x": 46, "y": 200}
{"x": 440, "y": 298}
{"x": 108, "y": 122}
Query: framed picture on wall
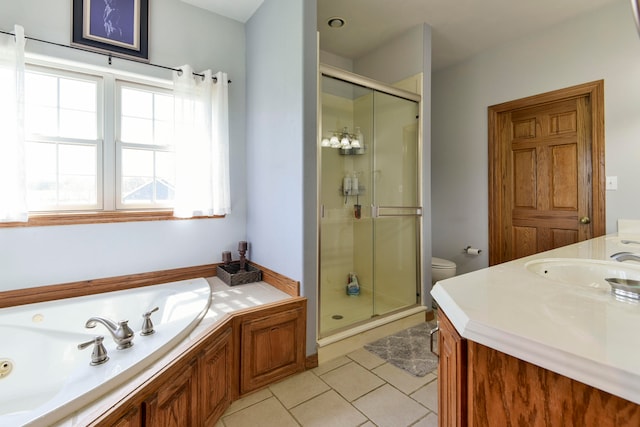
{"x": 118, "y": 27}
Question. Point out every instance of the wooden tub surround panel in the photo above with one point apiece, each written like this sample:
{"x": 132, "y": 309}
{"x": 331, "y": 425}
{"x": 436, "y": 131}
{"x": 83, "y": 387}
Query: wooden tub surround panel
{"x": 118, "y": 283}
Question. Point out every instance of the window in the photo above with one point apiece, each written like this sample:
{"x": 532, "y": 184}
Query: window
{"x": 144, "y": 147}
{"x": 102, "y": 147}
{"x": 97, "y": 142}
{"x": 63, "y": 141}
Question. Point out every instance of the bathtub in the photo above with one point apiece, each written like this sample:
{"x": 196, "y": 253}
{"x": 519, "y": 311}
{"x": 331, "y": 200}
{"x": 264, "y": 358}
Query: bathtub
{"x": 44, "y": 377}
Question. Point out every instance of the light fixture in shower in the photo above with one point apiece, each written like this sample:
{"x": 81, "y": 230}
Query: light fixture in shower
{"x": 335, "y": 22}
{"x": 343, "y": 139}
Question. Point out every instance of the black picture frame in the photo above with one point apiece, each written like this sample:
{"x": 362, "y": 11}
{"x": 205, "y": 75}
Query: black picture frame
{"x": 117, "y": 27}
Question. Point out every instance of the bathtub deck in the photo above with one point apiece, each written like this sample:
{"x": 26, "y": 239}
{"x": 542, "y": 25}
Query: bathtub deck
{"x": 224, "y": 301}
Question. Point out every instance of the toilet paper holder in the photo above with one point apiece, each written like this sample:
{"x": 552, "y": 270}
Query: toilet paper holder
{"x": 470, "y": 250}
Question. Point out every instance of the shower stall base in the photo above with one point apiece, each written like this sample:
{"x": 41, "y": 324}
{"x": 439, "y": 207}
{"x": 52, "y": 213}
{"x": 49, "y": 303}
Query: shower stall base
{"x": 354, "y": 338}
{"x": 347, "y": 310}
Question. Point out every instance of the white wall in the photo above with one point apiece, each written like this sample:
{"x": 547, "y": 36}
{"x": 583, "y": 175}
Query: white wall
{"x": 178, "y": 34}
{"x": 599, "y": 45}
{"x": 281, "y": 143}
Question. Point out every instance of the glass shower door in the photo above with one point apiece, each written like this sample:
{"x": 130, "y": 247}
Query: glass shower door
{"x": 345, "y": 241}
{"x": 396, "y": 208}
{"x": 371, "y": 230}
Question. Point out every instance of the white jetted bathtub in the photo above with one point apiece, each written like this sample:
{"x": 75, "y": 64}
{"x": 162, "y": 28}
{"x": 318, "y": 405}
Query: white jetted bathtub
{"x": 45, "y": 377}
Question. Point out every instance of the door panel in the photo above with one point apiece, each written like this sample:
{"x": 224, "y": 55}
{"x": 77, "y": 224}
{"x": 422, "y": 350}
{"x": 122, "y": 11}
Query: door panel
{"x": 546, "y": 163}
{"x": 396, "y": 221}
{"x": 546, "y": 167}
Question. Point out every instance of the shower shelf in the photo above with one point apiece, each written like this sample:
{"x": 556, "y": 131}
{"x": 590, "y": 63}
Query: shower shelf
{"x": 352, "y": 151}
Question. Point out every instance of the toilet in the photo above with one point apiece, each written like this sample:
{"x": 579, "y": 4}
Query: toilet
{"x": 442, "y": 269}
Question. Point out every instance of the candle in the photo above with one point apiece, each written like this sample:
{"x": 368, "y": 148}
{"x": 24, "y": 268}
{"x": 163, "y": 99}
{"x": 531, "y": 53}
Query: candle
{"x": 226, "y": 257}
{"x": 242, "y": 246}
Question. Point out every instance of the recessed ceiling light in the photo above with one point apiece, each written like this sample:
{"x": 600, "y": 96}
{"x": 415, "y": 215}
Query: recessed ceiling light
{"x": 335, "y": 22}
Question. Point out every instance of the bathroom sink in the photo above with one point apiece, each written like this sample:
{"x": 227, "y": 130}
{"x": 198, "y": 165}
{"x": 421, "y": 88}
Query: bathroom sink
{"x": 585, "y": 272}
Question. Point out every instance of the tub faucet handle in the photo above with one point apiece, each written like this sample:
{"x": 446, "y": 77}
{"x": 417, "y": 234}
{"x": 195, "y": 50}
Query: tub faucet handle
{"x": 99, "y": 353}
{"x": 147, "y": 324}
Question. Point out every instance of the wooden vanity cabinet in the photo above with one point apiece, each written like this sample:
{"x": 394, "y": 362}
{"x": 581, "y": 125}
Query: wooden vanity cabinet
{"x": 452, "y": 375}
{"x": 248, "y": 351}
{"x": 482, "y": 387}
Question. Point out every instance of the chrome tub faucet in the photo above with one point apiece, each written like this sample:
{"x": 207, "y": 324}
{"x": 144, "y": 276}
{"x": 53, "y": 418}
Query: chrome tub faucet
{"x": 626, "y": 256}
{"x": 122, "y": 334}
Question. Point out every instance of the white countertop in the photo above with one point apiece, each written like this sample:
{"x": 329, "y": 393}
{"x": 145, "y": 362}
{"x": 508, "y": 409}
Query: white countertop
{"x": 224, "y": 300}
{"x": 578, "y": 331}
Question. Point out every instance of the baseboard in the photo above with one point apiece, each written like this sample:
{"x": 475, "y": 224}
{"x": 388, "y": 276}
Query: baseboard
{"x": 311, "y": 361}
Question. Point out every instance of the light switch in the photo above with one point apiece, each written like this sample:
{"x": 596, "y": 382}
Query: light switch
{"x": 612, "y": 183}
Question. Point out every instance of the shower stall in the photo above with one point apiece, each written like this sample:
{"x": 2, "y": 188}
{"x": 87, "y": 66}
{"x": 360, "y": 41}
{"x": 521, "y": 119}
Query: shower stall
{"x": 369, "y": 195}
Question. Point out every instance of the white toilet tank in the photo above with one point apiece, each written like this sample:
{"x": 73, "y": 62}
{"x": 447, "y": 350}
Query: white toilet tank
{"x": 442, "y": 269}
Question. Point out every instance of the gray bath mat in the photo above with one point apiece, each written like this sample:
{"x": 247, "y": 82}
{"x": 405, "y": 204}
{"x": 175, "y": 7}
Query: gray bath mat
{"x": 408, "y": 349}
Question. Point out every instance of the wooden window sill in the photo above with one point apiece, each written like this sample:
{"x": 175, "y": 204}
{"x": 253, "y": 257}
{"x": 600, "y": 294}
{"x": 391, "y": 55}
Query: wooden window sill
{"x": 73, "y": 218}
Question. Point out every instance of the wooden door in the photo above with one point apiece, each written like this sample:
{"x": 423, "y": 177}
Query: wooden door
{"x": 546, "y": 168}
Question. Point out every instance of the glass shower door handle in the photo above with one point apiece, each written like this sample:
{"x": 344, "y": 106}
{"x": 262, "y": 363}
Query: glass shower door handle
{"x": 394, "y": 211}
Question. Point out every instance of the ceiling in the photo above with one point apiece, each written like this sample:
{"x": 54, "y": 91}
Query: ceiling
{"x": 240, "y": 10}
{"x": 460, "y": 28}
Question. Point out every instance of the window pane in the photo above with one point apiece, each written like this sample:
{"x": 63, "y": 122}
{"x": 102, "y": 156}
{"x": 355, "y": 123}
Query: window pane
{"x": 77, "y": 190}
{"x": 163, "y": 107}
{"x": 164, "y": 133}
{"x": 41, "y": 120}
{"x": 165, "y": 176}
{"x": 137, "y": 176}
{"x": 136, "y": 130}
{"x": 77, "y": 160}
{"x": 61, "y": 174}
{"x": 78, "y": 95}
{"x": 78, "y": 124}
{"x": 146, "y": 117}
{"x": 147, "y": 176}
{"x": 58, "y": 106}
{"x": 137, "y": 103}
{"x": 41, "y": 90}
{"x": 41, "y": 175}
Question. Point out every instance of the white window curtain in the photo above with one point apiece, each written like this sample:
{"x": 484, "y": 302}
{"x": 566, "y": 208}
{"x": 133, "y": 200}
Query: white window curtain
{"x": 201, "y": 144}
{"x": 13, "y": 187}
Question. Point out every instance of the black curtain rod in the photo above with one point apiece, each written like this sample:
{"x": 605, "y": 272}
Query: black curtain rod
{"x": 215, "y": 79}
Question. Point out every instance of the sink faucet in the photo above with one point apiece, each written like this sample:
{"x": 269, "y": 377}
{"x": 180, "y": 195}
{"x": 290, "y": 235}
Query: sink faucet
{"x": 626, "y": 256}
{"x": 122, "y": 334}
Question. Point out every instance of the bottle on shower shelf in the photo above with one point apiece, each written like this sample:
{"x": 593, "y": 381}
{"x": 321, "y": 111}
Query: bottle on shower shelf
{"x": 353, "y": 288}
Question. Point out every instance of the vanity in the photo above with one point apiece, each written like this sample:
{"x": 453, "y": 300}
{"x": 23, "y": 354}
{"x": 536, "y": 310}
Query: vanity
{"x": 541, "y": 341}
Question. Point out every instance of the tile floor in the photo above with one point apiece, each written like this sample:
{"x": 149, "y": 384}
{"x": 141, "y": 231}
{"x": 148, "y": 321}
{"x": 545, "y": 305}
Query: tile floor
{"x": 358, "y": 389}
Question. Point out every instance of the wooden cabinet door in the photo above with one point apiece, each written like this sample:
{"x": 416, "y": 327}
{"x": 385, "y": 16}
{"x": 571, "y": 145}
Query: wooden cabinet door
{"x": 452, "y": 376}
{"x": 132, "y": 418}
{"x": 175, "y": 403}
{"x": 215, "y": 369}
{"x": 272, "y": 347}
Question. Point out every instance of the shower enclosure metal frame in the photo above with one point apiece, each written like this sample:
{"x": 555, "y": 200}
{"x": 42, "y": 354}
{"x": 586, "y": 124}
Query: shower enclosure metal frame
{"x": 376, "y": 211}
